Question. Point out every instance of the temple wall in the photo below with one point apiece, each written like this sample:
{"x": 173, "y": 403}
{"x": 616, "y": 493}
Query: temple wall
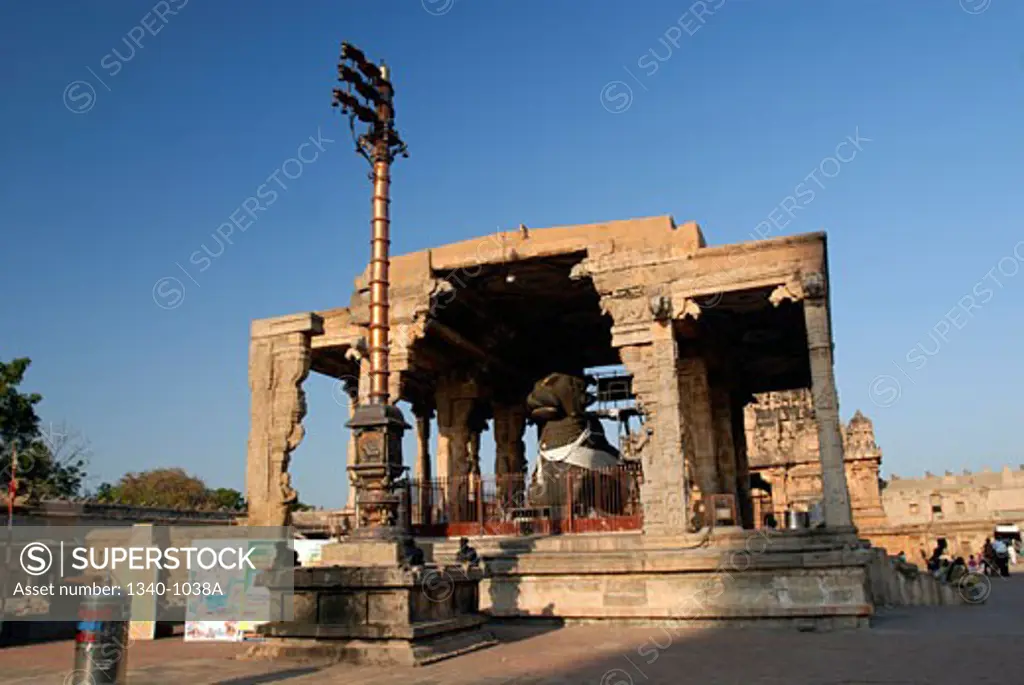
{"x": 989, "y": 495}
{"x": 789, "y": 578}
{"x": 782, "y": 440}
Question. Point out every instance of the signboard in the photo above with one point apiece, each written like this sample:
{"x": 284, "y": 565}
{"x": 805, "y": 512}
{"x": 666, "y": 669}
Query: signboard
{"x": 247, "y": 604}
{"x": 310, "y": 551}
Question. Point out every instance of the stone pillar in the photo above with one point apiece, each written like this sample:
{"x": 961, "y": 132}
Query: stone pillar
{"x": 453, "y": 452}
{"x": 836, "y": 496}
{"x": 654, "y": 364}
{"x": 473, "y": 469}
{"x": 423, "y": 473}
{"x": 477, "y": 425}
{"x": 777, "y": 478}
{"x": 510, "y": 452}
{"x": 279, "y": 361}
{"x": 725, "y": 450}
{"x": 748, "y": 514}
{"x": 698, "y": 427}
{"x": 352, "y": 390}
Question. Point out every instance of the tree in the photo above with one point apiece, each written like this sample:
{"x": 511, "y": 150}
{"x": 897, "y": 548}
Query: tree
{"x": 164, "y": 488}
{"x": 169, "y": 489}
{"x": 105, "y": 494}
{"x": 50, "y": 464}
{"x": 226, "y": 498}
{"x": 53, "y": 467}
{"x": 19, "y": 424}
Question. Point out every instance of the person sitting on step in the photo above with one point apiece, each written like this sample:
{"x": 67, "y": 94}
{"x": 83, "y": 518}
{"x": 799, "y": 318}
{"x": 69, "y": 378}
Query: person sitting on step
{"x": 466, "y": 554}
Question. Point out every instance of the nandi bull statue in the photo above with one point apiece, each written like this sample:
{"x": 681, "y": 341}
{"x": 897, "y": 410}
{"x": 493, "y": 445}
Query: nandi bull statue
{"x": 573, "y": 448}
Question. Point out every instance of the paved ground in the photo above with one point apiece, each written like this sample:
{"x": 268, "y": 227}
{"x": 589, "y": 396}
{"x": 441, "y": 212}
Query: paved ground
{"x": 922, "y": 646}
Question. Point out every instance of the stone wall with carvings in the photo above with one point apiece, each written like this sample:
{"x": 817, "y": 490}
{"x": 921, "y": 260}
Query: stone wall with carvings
{"x": 782, "y": 443}
{"x": 909, "y": 514}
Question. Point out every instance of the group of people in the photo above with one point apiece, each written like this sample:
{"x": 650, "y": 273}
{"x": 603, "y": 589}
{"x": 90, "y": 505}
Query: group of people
{"x": 995, "y": 560}
{"x": 943, "y": 566}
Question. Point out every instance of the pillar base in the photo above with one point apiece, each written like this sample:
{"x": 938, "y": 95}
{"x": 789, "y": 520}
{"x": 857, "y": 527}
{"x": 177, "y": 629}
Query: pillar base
{"x": 379, "y": 615}
{"x": 377, "y": 469}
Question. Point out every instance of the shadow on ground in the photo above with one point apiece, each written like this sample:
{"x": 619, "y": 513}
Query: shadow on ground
{"x": 277, "y": 677}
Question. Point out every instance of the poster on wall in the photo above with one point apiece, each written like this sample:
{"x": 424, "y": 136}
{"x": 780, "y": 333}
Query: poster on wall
{"x": 239, "y": 608}
{"x": 310, "y": 551}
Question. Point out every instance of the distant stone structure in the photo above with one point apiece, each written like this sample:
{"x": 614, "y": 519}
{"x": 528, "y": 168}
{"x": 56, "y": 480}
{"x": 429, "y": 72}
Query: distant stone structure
{"x": 782, "y": 435}
{"x": 995, "y": 494}
{"x": 964, "y": 509}
{"x": 908, "y": 515}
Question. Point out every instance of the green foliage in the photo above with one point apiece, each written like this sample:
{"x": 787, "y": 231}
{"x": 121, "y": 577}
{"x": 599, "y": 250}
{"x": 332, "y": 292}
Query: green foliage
{"x": 46, "y": 472}
{"x": 48, "y": 465}
{"x": 227, "y": 498}
{"x": 19, "y": 424}
{"x": 105, "y": 494}
{"x": 169, "y": 489}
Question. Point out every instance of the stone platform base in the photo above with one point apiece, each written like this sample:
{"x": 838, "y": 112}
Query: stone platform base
{"x": 804, "y": 580}
{"x": 382, "y": 615}
{"x": 434, "y": 643}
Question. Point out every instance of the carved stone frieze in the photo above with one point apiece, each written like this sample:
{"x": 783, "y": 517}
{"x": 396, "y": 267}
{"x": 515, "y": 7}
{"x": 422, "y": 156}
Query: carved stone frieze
{"x": 626, "y": 310}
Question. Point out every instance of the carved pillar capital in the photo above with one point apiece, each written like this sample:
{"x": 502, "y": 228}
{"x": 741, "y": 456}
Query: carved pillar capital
{"x": 815, "y": 285}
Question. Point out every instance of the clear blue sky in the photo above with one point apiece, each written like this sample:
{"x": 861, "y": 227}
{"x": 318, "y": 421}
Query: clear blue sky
{"x": 501, "y": 103}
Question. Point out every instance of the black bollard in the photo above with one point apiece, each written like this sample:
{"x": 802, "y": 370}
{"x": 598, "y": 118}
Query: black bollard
{"x": 101, "y": 644}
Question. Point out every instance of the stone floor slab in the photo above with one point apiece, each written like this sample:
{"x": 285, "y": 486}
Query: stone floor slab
{"x": 913, "y": 646}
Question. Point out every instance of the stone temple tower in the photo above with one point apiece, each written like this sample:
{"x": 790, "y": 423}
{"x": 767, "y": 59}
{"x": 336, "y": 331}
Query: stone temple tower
{"x": 782, "y": 441}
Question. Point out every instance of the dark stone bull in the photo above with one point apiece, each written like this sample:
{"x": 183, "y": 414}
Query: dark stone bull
{"x": 573, "y": 448}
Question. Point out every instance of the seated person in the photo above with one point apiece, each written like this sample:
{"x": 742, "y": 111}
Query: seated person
{"x": 413, "y": 554}
{"x": 957, "y": 570}
{"x": 466, "y": 554}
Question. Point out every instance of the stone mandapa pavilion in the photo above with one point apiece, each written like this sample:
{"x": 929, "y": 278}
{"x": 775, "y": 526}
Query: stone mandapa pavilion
{"x": 698, "y": 329}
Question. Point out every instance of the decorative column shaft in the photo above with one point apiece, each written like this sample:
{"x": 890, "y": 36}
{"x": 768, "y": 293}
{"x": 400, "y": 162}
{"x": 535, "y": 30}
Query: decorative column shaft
{"x": 654, "y": 365}
{"x": 453, "y": 453}
{"x": 836, "y": 496}
{"x": 510, "y": 453}
{"x": 750, "y": 517}
{"x": 352, "y": 390}
{"x": 721, "y": 415}
{"x": 423, "y": 471}
{"x": 698, "y": 433}
{"x": 279, "y": 361}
